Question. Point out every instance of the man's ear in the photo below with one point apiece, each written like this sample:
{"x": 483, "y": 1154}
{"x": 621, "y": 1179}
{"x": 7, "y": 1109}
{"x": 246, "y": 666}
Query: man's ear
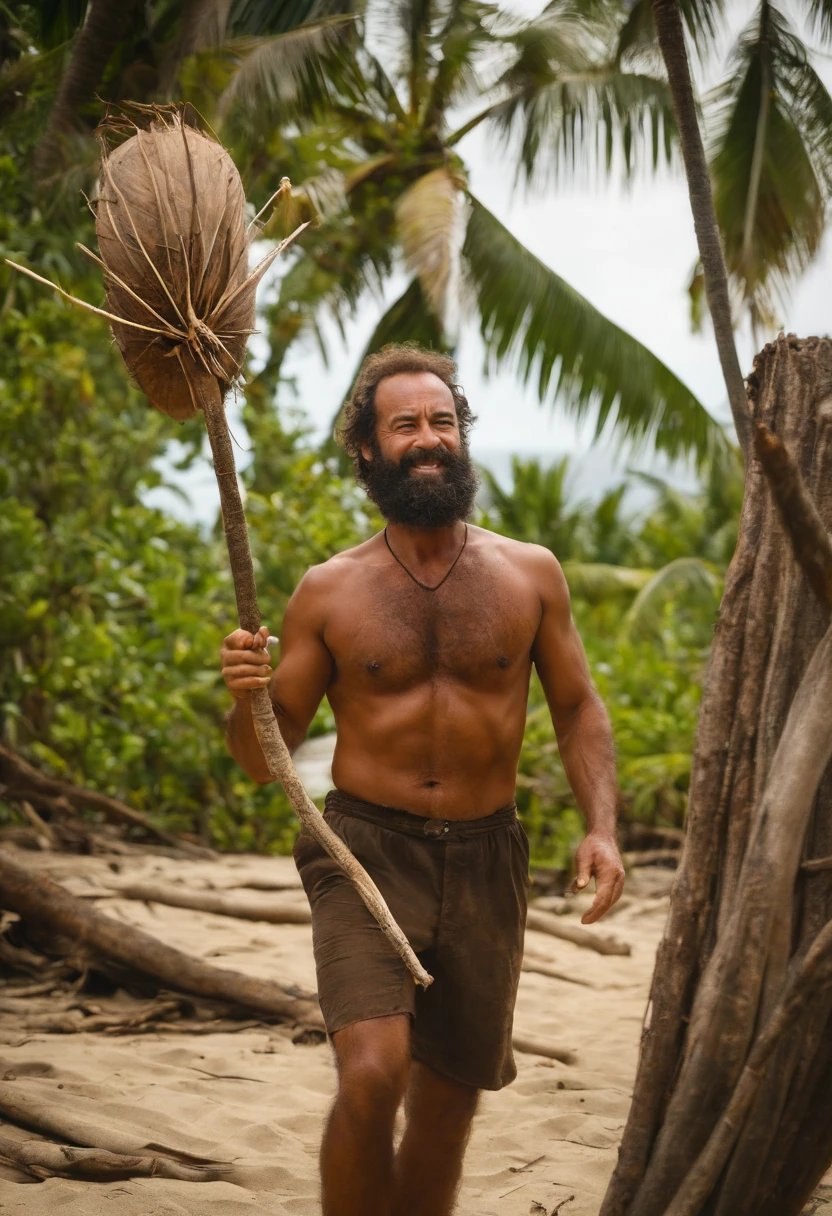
{"x": 367, "y": 452}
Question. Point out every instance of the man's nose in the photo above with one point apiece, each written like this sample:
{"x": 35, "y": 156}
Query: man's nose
{"x": 427, "y": 438}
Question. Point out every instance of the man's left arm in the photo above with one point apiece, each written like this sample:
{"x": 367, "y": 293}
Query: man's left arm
{"x": 584, "y": 735}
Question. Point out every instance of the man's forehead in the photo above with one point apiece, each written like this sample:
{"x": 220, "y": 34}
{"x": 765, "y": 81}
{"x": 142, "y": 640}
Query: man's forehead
{"x": 413, "y": 391}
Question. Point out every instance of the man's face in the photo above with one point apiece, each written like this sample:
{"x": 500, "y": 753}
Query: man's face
{"x": 418, "y": 470}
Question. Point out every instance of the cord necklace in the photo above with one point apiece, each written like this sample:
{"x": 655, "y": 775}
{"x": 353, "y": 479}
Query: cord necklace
{"x": 417, "y": 581}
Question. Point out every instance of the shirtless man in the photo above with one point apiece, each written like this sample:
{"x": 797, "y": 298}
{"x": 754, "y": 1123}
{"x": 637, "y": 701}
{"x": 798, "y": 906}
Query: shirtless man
{"x": 423, "y": 639}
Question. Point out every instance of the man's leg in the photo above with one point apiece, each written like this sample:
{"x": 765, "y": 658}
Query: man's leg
{"x": 429, "y": 1160}
{"x": 373, "y": 1060}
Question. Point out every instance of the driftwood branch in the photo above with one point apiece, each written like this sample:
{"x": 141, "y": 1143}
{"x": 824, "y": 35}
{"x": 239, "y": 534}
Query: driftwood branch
{"x": 23, "y": 782}
{"x": 43, "y": 1159}
{"x": 35, "y": 898}
{"x": 541, "y": 1047}
{"x": 34, "y": 1103}
{"x": 274, "y": 912}
{"x": 810, "y": 541}
{"x": 536, "y": 967}
{"x": 816, "y": 864}
{"x": 544, "y": 922}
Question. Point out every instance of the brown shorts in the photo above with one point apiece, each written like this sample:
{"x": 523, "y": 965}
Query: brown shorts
{"x": 458, "y": 890}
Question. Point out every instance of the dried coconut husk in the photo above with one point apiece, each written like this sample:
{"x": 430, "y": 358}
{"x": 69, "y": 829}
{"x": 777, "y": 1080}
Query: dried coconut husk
{"x": 170, "y": 221}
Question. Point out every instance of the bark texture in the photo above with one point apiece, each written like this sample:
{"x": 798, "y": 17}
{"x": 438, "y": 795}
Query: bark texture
{"x": 744, "y": 910}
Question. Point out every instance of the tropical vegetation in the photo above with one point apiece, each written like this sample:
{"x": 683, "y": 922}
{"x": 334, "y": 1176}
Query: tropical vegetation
{"x": 111, "y": 612}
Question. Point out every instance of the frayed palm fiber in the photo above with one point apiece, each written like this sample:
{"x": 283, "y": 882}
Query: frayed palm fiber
{"x": 170, "y": 220}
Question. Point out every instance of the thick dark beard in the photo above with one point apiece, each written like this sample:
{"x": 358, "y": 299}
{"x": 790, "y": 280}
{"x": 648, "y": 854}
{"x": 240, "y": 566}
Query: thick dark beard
{"x": 421, "y": 501}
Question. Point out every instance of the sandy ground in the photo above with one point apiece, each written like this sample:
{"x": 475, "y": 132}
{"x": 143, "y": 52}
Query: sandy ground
{"x": 545, "y": 1144}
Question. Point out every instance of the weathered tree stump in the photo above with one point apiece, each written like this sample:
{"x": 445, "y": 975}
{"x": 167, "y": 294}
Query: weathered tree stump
{"x": 744, "y": 912}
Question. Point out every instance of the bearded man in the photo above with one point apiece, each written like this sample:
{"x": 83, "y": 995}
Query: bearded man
{"x": 423, "y": 639}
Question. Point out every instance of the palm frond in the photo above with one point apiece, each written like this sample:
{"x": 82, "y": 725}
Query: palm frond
{"x": 325, "y": 194}
{"x": 470, "y": 27}
{"x": 429, "y": 217}
{"x": 575, "y": 122}
{"x": 408, "y": 319}
{"x": 703, "y": 20}
{"x": 539, "y": 508}
{"x": 596, "y": 582}
{"x": 820, "y": 13}
{"x": 332, "y": 273}
{"x": 569, "y": 105}
{"x": 772, "y": 162}
{"x": 289, "y": 73}
{"x": 415, "y": 18}
{"x": 686, "y": 578}
{"x": 534, "y": 319}
{"x": 257, "y": 18}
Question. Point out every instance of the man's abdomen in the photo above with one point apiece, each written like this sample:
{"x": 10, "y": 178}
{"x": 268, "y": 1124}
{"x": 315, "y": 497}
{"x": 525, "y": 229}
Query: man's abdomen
{"x": 438, "y": 749}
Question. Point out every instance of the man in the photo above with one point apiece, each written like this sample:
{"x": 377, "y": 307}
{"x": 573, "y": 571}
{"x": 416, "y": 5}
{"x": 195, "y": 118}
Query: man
{"x": 423, "y": 639}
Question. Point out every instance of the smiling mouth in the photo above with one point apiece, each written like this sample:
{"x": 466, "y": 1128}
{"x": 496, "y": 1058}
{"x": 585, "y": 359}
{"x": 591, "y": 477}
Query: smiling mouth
{"x": 427, "y": 468}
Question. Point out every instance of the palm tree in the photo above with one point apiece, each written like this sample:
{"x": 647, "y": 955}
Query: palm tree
{"x": 392, "y": 192}
{"x": 131, "y": 51}
{"x": 769, "y": 127}
{"x": 671, "y": 37}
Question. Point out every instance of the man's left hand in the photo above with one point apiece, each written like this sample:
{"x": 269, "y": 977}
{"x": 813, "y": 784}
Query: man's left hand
{"x": 598, "y": 857}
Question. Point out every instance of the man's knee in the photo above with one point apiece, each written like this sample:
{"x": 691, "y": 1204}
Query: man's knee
{"x": 373, "y": 1066}
{"x": 441, "y": 1101}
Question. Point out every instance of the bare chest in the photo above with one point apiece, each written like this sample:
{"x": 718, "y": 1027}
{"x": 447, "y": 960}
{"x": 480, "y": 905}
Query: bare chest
{"x": 478, "y": 628}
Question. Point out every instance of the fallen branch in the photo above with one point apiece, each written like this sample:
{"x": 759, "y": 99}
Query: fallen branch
{"x": 274, "y": 913}
{"x": 816, "y": 864}
{"x": 43, "y": 1159}
{"x": 23, "y": 782}
{"x": 39, "y": 899}
{"x": 539, "y": 1047}
{"x": 810, "y": 541}
{"x": 34, "y": 1102}
{"x": 543, "y": 922}
{"x": 530, "y": 964}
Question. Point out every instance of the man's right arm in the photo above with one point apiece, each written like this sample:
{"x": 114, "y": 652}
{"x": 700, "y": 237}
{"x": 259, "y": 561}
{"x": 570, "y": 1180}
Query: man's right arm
{"x": 297, "y": 686}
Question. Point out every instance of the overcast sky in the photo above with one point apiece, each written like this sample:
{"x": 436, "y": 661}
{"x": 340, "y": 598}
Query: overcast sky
{"x": 630, "y": 251}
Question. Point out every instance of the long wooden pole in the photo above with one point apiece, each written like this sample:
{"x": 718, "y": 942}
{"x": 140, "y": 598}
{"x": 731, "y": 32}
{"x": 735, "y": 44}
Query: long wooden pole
{"x": 207, "y": 394}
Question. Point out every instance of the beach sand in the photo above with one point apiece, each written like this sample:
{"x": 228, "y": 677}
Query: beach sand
{"x": 545, "y": 1144}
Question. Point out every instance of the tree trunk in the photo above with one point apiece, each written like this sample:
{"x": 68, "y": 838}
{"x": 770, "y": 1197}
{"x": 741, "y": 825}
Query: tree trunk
{"x": 743, "y": 909}
{"x": 106, "y": 23}
{"x": 671, "y": 36}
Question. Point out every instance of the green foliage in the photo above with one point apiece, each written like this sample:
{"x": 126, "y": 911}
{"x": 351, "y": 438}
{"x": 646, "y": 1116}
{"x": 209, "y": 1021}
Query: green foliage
{"x": 111, "y": 612}
{"x": 772, "y": 165}
{"x": 651, "y": 689}
{"x": 646, "y": 625}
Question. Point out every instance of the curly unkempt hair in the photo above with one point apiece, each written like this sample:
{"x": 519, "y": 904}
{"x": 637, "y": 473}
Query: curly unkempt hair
{"x": 359, "y": 423}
